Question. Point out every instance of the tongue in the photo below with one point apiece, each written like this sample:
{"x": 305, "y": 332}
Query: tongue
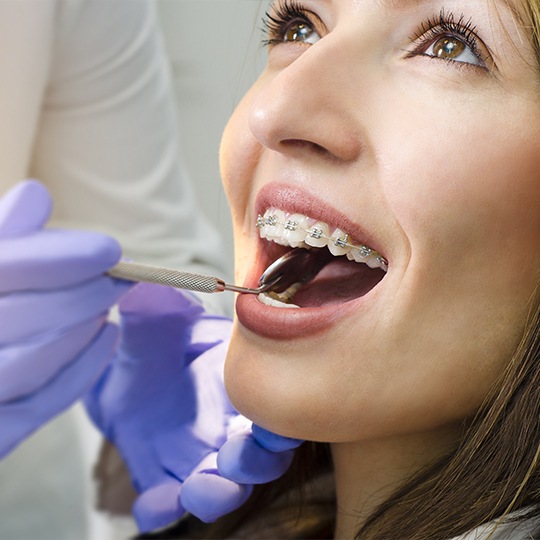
{"x": 338, "y": 282}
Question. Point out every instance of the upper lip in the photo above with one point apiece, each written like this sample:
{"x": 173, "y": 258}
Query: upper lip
{"x": 295, "y": 200}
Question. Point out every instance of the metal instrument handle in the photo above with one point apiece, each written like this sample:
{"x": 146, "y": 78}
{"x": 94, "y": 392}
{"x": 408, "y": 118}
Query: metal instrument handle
{"x": 133, "y": 271}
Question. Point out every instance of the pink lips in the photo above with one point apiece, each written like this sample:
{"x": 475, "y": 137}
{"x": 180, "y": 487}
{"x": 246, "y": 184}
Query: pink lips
{"x": 277, "y": 323}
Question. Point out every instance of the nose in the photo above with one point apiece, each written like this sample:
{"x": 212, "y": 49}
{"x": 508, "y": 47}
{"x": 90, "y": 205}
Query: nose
{"x": 305, "y": 107}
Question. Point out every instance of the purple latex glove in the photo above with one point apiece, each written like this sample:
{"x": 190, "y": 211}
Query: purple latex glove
{"x": 250, "y": 455}
{"x": 163, "y": 404}
{"x": 54, "y": 337}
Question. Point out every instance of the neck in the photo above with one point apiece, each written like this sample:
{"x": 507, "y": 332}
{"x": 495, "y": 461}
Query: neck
{"x": 368, "y": 472}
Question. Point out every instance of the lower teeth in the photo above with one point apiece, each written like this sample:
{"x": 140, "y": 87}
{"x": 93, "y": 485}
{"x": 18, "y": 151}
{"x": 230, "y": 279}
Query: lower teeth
{"x": 273, "y": 299}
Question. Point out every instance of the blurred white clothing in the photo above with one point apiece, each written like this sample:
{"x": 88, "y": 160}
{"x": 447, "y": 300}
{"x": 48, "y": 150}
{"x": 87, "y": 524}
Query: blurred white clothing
{"x": 87, "y": 108}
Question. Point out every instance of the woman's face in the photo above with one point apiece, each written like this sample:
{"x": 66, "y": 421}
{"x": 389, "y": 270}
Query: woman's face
{"x": 406, "y": 134}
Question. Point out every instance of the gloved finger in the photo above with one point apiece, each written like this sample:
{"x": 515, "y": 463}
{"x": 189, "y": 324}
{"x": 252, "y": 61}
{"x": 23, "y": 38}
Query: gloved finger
{"x": 158, "y": 506}
{"x": 24, "y": 209}
{"x": 156, "y": 318}
{"x": 25, "y": 315}
{"x": 242, "y": 459}
{"x": 26, "y": 367}
{"x": 273, "y": 441}
{"x": 238, "y": 424}
{"x": 55, "y": 258}
{"x": 209, "y": 331}
{"x": 20, "y": 418}
{"x": 208, "y": 496}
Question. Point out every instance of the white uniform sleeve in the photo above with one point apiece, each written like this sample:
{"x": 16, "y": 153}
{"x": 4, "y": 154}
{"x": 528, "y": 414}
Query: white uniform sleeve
{"x": 92, "y": 116}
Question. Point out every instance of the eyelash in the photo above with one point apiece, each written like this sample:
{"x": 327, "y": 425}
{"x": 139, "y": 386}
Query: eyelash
{"x": 277, "y": 21}
{"x": 445, "y": 24}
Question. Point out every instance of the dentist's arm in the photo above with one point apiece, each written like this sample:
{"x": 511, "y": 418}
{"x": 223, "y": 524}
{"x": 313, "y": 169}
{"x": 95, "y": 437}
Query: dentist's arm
{"x": 54, "y": 298}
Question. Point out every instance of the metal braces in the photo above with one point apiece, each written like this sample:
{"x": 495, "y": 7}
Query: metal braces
{"x": 317, "y": 233}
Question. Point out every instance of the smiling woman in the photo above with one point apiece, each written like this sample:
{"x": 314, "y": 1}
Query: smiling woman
{"x": 402, "y": 141}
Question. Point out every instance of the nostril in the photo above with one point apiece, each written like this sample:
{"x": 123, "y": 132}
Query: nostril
{"x": 282, "y": 124}
{"x": 301, "y": 144}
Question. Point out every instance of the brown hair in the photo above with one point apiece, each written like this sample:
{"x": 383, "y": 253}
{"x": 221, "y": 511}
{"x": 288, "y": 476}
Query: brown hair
{"x": 494, "y": 471}
{"x": 532, "y": 9}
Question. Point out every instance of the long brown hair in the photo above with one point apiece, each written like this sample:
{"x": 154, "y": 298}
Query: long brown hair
{"x": 532, "y": 8}
{"x": 496, "y": 468}
{"x": 494, "y": 471}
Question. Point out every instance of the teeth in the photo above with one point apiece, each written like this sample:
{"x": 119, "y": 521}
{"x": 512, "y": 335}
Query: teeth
{"x": 265, "y": 298}
{"x": 317, "y": 235}
{"x": 297, "y": 230}
{"x": 275, "y": 228}
{"x": 339, "y": 243}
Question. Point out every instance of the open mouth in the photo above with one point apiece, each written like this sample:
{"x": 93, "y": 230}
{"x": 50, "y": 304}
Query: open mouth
{"x": 343, "y": 269}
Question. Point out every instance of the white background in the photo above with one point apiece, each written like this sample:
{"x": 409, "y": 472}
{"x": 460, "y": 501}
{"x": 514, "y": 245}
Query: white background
{"x": 215, "y": 51}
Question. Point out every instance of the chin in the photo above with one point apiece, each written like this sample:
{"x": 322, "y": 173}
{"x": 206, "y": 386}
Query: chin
{"x": 254, "y": 384}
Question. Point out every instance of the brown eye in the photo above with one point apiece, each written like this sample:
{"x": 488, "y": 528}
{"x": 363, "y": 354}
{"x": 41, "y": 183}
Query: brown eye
{"x": 289, "y": 22}
{"x": 300, "y": 32}
{"x": 454, "y": 49}
{"x": 448, "y": 47}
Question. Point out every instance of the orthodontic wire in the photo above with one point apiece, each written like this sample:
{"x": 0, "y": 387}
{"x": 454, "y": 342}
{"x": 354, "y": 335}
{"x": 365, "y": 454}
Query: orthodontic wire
{"x": 315, "y": 232}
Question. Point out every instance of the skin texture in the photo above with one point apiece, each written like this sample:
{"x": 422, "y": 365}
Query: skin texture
{"x": 436, "y": 160}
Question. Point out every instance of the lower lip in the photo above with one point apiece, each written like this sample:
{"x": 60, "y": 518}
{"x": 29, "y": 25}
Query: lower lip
{"x": 290, "y": 323}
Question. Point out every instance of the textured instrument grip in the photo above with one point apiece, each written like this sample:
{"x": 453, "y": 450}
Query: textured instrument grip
{"x": 132, "y": 271}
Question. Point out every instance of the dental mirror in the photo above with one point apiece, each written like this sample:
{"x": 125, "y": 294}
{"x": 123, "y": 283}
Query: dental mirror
{"x": 296, "y": 266}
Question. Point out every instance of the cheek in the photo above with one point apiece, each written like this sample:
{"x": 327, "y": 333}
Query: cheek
{"x": 340, "y": 396}
{"x": 470, "y": 216}
{"x": 468, "y": 190}
{"x": 239, "y": 155}
{"x": 235, "y": 163}
{"x": 238, "y": 158}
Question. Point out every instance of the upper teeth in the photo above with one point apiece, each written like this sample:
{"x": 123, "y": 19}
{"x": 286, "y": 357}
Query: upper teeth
{"x": 297, "y": 230}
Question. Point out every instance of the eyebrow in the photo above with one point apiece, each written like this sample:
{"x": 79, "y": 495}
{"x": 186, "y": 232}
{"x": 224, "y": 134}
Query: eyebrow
{"x": 508, "y": 4}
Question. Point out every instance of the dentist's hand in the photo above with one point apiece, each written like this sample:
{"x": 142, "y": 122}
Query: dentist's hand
{"x": 54, "y": 297}
{"x": 250, "y": 455}
{"x": 163, "y": 404}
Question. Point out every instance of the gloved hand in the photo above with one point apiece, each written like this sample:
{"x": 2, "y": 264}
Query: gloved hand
{"x": 54, "y": 338}
{"x": 162, "y": 403}
{"x": 250, "y": 455}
